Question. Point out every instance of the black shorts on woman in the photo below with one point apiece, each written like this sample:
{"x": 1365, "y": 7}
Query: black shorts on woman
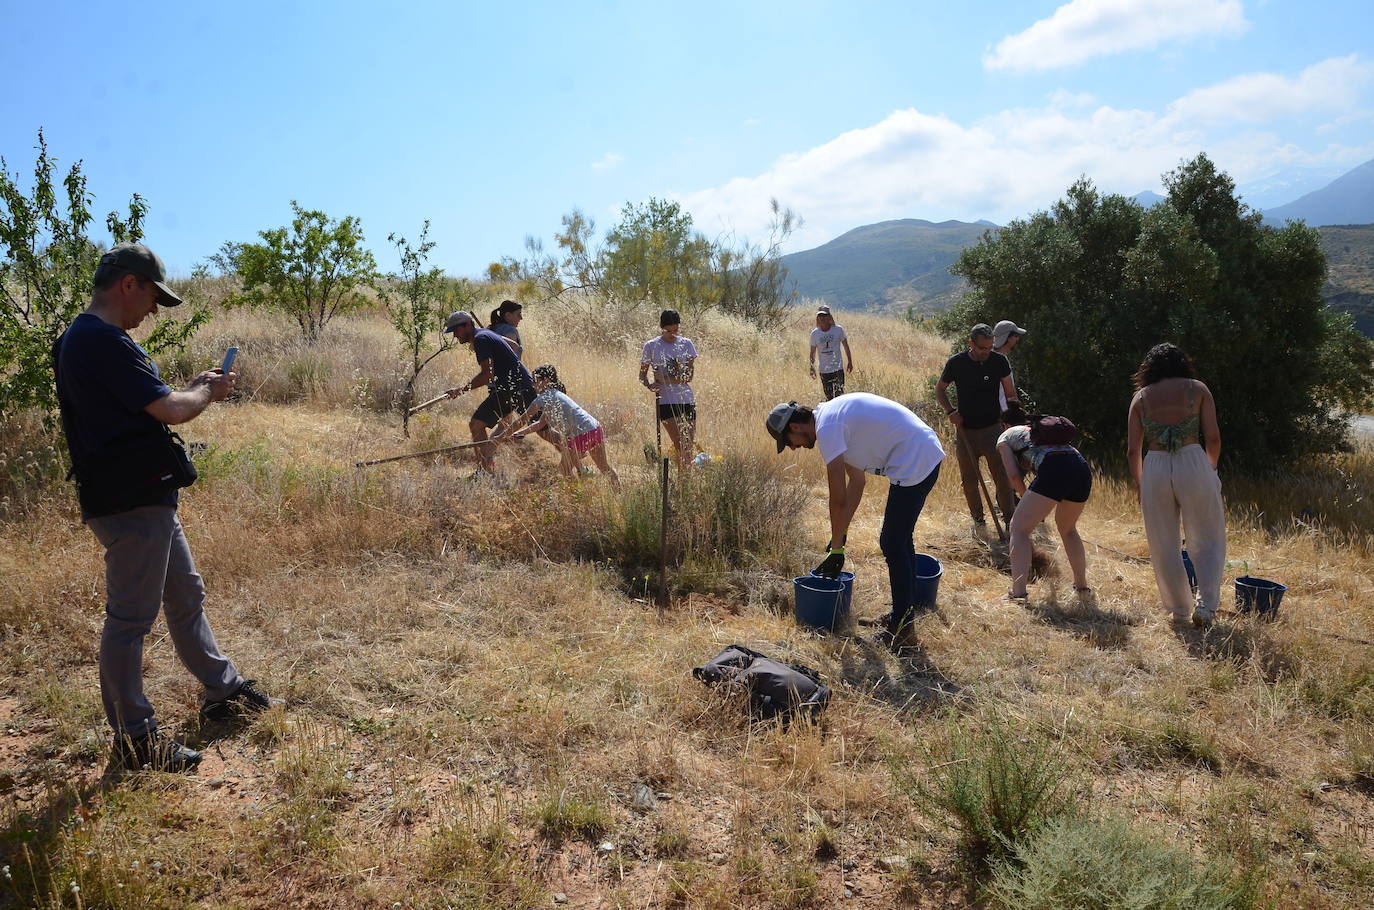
{"x": 685, "y": 411}
{"x": 1063, "y": 477}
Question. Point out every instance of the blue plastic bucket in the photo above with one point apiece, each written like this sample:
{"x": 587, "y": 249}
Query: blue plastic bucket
{"x": 819, "y": 602}
{"x": 847, "y": 578}
{"x": 926, "y": 581}
{"x": 1192, "y": 575}
{"x": 1260, "y": 595}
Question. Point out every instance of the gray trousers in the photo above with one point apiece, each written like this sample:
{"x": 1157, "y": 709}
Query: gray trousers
{"x": 148, "y": 565}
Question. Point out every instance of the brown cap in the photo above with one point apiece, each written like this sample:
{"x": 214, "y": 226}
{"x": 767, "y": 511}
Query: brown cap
{"x": 141, "y": 262}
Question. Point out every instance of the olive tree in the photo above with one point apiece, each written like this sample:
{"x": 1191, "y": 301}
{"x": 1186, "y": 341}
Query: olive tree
{"x": 1097, "y": 280}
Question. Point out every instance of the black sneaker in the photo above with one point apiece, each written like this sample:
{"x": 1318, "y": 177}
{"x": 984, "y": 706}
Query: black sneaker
{"x": 153, "y": 752}
{"x": 246, "y": 699}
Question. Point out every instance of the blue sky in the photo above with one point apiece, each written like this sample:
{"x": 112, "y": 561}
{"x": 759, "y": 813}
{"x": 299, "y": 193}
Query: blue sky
{"x": 492, "y": 120}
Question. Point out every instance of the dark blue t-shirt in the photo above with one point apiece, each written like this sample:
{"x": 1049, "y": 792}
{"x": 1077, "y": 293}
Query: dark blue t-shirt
{"x": 506, "y": 369}
{"x": 104, "y": 382}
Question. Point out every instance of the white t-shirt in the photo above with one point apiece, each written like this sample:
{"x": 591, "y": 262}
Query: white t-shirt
{"x": 878, "y": 436}
{"x": 670, "y": 361}
{"x": 827, "y": 344}
{"x": 565, "y": 415}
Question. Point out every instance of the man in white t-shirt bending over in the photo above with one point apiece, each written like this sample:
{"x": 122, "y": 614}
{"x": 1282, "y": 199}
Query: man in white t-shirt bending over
{"x": 828, "y": 338}
{"x": 861, "y": 434}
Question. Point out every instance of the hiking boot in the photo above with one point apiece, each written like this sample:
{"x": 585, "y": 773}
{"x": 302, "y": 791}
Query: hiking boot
{"x": 245, "y": 700}
{"x": 153, "y": 752}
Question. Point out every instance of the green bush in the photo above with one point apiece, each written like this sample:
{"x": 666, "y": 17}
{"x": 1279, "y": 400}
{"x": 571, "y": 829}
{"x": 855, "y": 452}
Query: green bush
{"x": 731, "y": 514}
{"x": 1103, "y": 864}
{"x": 1097, "y": 281}
{"x": 995, "y": 787}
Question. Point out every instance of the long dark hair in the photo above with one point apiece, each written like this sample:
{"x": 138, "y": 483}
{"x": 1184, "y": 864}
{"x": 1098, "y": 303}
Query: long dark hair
{"x": 549, "y": 373}
{"x": 1164, "y": 361}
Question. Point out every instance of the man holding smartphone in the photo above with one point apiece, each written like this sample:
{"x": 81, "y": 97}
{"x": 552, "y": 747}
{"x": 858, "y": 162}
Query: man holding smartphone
{"x": 115, "y": 413}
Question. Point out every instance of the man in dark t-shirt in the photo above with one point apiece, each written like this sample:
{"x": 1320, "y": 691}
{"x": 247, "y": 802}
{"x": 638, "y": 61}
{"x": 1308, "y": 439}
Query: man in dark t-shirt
{"x": 977, "y": 374}
{"x": 510, "y": 388}
{"x": 115, "y": 411}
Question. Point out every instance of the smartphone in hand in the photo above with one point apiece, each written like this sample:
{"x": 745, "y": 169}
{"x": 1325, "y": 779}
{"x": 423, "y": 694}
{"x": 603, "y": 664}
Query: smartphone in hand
{"x": 229, "y": 356}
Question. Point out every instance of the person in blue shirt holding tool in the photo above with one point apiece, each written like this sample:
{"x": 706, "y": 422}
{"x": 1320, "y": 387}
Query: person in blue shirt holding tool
{"x": 129, "y": 468}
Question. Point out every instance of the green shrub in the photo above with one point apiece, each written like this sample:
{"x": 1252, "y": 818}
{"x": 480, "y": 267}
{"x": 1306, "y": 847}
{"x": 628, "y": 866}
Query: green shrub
{"x": 731, "y": 514}
{"x": 565, "y": 815}
{"x": 1103, "y": 864}
{"x": 994, "y": 787}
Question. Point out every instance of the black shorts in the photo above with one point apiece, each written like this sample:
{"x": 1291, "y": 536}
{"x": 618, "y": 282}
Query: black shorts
{"x": 832, "y": 384}
{"x": 687, "y": 412}
{"x": 500, "y": 401}
{"x": 1063, "y": 476}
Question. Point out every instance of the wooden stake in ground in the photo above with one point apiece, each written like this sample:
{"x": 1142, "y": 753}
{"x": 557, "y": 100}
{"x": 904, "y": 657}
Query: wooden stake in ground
{"x": 465, "y": 445}
{"x": 982, "y": 484}
{"x": 663, "y": 541}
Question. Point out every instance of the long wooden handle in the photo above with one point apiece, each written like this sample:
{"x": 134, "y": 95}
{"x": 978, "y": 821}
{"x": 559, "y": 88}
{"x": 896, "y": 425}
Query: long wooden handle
{"x": 426, "y": 404}
{"x": 465, "y": 445}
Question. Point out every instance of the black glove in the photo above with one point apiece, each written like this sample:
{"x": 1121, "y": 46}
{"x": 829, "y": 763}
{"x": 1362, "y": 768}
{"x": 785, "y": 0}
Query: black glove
{"x": 831, "y": 566}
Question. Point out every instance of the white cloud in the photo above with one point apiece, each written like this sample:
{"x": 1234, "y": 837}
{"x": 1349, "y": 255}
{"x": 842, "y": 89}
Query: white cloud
{"x": 1083, "y": 29}
{"x": 1332, "y": 85}
{"x": 609, "y": 161}
{"x": 915, "y": 164}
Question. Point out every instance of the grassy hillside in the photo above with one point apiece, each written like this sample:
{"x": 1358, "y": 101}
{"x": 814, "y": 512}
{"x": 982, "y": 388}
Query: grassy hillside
{"x": 1350, "y": 281}
{"x": 888, "y": 266}
{"x": 486, "y": 710}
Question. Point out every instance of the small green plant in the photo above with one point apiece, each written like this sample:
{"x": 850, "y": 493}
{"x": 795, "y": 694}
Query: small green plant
{"x": 994, "y": 786}
{"x": 475, "y": 858}
{"x": 1105, "y": 864}
{"x": 565, "y": 815}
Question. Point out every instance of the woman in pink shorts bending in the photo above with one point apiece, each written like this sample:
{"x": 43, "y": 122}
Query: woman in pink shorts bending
{"x": 582, "y": 434}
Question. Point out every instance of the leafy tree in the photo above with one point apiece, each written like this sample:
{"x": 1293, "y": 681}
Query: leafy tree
{"x": 419, "y": 300}
{"x": 46, "y": 276}
{"x": 1098, "y": 280}
{"x": 312, "y": 271}
{"x": 654, "y": 257}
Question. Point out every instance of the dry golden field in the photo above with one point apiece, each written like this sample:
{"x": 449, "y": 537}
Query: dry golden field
{"x": 485, "y": 709}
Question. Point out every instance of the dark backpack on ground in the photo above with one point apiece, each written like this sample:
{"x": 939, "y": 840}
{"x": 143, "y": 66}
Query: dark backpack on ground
{"x": 775, "y": 689}
{"x": 1052, "y": 431}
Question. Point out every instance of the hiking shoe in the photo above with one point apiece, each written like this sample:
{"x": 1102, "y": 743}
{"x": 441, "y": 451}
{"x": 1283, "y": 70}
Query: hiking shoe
{"x": 245, "y": 700}
{"x": 153, "y": 752}
{"x": 1203, "y": 618}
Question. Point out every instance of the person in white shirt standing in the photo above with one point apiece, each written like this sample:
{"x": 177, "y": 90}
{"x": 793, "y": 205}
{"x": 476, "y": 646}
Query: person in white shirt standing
{"x": 672, "y": 357}
{"x": 861, "y": 434}
{"x": 828, "y": 338}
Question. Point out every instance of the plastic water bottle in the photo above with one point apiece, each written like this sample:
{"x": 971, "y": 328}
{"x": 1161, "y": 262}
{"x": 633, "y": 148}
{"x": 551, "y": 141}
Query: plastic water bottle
{"x": 702, "y": 459}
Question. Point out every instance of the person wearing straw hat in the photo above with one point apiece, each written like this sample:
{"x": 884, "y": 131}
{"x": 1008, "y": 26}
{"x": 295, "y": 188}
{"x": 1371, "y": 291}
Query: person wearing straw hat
{"x": 115, "y": 413}
{"x": 1005, "y": 337}
{"x": 828, "y": 338}
{"x": 860, "y": 434}
{"x": 977, "y": 374}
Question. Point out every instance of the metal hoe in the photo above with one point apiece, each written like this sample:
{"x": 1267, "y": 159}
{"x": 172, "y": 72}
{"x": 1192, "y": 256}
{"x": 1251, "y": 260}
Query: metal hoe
{"x": 465, "y": 445}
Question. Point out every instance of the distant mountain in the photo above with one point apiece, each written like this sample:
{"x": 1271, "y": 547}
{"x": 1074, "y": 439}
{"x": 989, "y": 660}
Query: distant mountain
{"x": 1349, "y": 199}
{"x": 887, "y": 266}
{"x": 1148, "y": 199}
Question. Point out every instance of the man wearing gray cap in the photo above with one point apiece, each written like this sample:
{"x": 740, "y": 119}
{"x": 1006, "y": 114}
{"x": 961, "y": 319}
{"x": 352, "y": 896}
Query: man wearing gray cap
{"x": 128, "y": 468}
{"x": 860, "y": 434}
{"x": 1005, "y": 336}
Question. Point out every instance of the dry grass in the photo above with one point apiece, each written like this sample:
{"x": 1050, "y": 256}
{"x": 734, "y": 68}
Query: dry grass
{"x": 474, "y": 698}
